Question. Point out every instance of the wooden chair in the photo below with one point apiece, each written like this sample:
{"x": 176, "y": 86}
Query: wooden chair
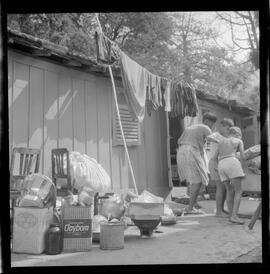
{"x": 29, "y": 163}
{"x": 58, "y": 156}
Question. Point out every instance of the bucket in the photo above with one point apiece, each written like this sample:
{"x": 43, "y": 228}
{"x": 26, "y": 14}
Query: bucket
{"x": 111, "y": 235}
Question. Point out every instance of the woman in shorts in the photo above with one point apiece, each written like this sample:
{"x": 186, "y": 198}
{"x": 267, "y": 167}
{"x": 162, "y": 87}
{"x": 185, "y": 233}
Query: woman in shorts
{"x": 230, "y": 170}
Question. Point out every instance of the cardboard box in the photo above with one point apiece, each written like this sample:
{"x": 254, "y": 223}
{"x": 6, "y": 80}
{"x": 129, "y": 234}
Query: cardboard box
{"x": 136, "y": 208}
{"x": 29, "y": 228}
{"x": 77, "y": 228}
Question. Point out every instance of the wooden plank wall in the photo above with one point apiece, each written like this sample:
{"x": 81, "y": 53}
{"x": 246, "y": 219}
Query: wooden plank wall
{"x": 51, "y": 106}
{"x": 219, "y": 111}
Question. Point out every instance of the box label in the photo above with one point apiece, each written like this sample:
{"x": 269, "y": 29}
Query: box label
{"x": 74, "y": 228}
{"x": 26, "y": 220}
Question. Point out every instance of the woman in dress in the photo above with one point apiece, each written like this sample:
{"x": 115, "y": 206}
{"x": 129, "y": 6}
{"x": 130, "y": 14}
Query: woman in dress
{"x": 191, "y": 163}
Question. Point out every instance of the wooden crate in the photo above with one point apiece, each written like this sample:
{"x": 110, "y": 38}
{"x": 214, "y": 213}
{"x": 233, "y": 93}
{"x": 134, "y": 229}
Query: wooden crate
{"x": 77, "y": 228}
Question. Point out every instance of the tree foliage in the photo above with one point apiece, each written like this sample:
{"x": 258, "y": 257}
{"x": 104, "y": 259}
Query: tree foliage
{"x": 248, "y": 23}
{"x": 174, "y": 45}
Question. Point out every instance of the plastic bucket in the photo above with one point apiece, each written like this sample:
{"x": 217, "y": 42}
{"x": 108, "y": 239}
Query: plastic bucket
{"x": 111, "y": 235}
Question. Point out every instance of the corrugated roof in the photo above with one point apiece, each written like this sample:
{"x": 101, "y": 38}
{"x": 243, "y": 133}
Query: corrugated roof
{"x": 47, "y": 50}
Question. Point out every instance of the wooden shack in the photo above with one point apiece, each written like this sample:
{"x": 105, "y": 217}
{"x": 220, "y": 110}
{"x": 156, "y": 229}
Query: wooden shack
{"x": 58, "y": 99}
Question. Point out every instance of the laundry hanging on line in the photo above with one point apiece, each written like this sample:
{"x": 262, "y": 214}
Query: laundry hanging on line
{"x": 107, "y": 51}
{"x": 147, "y": 90}
{"x": 153, "y": 92}
{"x": 183, "y": 101}
{"x": 134, "y": 80}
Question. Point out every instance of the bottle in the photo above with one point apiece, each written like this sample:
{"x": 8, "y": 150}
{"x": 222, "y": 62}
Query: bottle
{"x": 53, "y": 239}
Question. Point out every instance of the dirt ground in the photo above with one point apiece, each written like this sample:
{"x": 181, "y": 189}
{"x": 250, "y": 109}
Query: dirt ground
{"x": 193, "y": 240}
{"x": 253, "y": 256}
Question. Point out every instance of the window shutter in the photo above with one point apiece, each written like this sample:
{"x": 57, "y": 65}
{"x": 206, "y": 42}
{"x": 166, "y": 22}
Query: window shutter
{"x": 131, "y": 128}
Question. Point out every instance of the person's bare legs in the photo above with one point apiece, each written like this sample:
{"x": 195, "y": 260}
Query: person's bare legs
{"x": 229, "y": 196}
{"x": 220, "y": 199}
{"x": 236, "y": 184}
{"x": 194, "y": 191}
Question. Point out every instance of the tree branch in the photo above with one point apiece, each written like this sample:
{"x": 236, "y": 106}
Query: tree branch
{"x": 125, "y": 36}
{"x": 188, "y": 25}
{"x": 249, "y": 36}
{"x": 254, "y": 30}
{"x": 242, "y": 15}
{"x": 232, "y": 33}
{"x": 116, "y": 29}
{"x": 230, "y": 20}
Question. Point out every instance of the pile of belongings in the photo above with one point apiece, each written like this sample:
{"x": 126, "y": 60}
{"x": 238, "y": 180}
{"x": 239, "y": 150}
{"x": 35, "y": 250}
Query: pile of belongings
{"x": 253, "y": 159}
{"x": 87, "y": 172}
{"x": 111, "y": 209}
{"x": 146, "y": 197}
{"x": 38, "y": 190}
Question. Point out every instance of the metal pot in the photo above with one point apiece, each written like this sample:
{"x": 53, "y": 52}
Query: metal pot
{"x": 111, "y": 209}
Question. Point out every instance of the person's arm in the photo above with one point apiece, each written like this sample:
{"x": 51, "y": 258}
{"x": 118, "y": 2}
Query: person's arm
{"x": 241, "y": 150}
{"x": 212, "y": 138}
{"x": 180, "y": 138}
{"x": 215, "y": 158}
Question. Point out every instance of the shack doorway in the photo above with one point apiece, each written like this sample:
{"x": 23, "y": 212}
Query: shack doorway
{"x": 176, "y": 128}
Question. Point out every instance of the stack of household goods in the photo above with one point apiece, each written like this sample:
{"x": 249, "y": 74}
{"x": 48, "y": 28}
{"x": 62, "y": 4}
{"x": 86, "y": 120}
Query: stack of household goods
{"x": 33, "y": 214}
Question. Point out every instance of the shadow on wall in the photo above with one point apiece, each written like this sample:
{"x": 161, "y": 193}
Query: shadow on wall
{"x": 20, "y": 127}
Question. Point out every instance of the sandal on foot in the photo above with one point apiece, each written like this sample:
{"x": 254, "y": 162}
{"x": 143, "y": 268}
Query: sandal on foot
{"x": 222, "y": 215}
{"x": 194, "y": 212}
{"x": 238, "y": 222}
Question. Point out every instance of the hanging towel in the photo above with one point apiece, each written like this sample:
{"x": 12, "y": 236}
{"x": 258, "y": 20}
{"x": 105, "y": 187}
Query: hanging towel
{"x": 183, "y": 101}
{"x": 166, "y": 96}
{"x": 134, "y": 81}
{"x": 107, "y": 51}
{"x": 190, "y": 101}
{"x": 154, "y": 92}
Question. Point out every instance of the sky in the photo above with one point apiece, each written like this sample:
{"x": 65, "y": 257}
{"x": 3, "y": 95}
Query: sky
{"x": 225, "y": 39}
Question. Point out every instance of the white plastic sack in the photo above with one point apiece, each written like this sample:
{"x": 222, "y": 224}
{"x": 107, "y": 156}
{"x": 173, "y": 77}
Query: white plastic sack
{"x": 147, "y": 197}
{"x": 168, "y": 211}
{"x": 86, "y": 171}
{"x": 254, "y": 162}
{"x": 252, "y": 152}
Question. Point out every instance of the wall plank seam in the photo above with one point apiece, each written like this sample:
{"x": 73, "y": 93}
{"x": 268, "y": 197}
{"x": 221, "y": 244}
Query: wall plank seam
{"x": 72, "y": 109}
{"x": 85, "y": 134}
{"x": 97, "y": 93}
{"x": 12, "y": 96}
{"x": 58, "y": 116}
{"x": 28, "y": 118}
{"x": 145, "y": 153}
{"x": 43, "y": 119}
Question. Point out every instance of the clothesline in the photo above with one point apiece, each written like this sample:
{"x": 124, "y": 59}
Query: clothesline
{"x": 116, "y": 45}
{"x": 120, "y": 123}
{"x": 145, "y": 90}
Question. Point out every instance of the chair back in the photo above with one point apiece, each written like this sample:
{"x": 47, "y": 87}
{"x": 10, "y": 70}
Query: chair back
{"x": 61, "y": 168}
{"x": 29, "y": 160}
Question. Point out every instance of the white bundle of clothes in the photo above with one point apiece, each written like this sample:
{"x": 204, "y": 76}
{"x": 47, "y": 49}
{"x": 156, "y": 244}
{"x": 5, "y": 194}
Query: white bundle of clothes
{"x": 87, "y": 172}
{"x": 253, "y": 159}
